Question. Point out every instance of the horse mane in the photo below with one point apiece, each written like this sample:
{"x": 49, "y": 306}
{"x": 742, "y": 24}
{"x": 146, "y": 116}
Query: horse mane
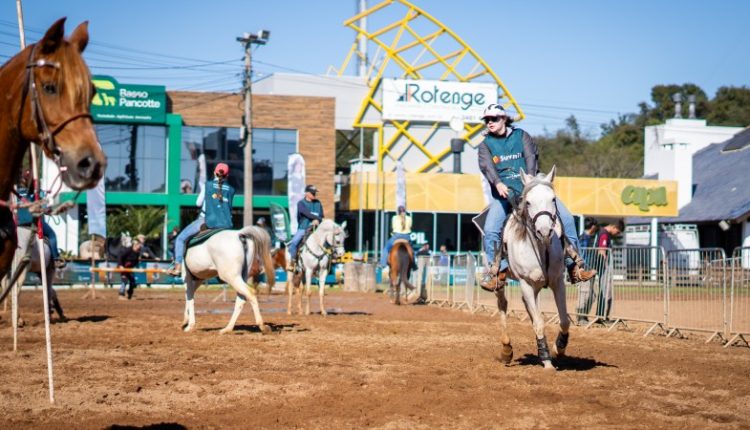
{"x": 521, "y": 215}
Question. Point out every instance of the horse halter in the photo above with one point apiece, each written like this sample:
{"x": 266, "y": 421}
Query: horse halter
{"x": 46, "y": 136}
{"x": 535, "y": 218}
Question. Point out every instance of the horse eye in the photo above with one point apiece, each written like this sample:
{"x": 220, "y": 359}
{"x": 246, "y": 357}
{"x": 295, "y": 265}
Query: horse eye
{"x": 50, "y": 88}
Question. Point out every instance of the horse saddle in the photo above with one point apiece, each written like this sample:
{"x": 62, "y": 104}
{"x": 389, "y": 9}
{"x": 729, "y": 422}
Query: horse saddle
{"x": 202, "y": 236}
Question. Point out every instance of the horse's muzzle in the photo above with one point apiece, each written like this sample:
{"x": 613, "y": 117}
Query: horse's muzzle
{"x": 83, "y": 172}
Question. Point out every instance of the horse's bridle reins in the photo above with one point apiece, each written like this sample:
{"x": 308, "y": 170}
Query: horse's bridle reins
{"x": 327, "y": 248}
{"x": 46, "y": 136}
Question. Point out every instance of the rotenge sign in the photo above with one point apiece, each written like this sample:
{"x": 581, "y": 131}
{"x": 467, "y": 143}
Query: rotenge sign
{"x": 436, "y": 100}
{"x": 116, "y": 102}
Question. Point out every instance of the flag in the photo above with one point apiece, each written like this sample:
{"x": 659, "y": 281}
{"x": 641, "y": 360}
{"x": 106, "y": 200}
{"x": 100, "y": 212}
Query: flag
{"x": 400, "y": 185}
{"x": 296, "y": 186}
{"x": 97, "y": 210}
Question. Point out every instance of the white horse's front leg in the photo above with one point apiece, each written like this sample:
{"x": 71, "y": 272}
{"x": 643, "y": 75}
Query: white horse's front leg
{"x": 322, "y": 289}
{"x": 530, "y": 296}
{"x": 558, "y": 348}
{"x": 506, "y": 355}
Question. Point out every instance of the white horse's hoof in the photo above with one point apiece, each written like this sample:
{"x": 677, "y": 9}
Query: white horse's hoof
{"x": 548, "y": 365}
{"x": 188, "y": 328}
{"x": 264, "y": 329}
{"x": 324, "y": 313}
{"x": 225, "y": 330}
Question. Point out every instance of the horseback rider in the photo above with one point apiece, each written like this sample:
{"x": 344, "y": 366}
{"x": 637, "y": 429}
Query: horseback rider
{"x": 503, "y": 153}
{"x": 215, "y": 198}
{"x": 25, "y": 219}
{"x": 309, "y": 214}
{"x": 401, "y": 227}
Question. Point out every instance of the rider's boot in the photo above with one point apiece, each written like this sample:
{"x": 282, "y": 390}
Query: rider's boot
{"x": 576, "y": 271}
{"x": 175, "y": 270}
{"x": 492, "y": 280}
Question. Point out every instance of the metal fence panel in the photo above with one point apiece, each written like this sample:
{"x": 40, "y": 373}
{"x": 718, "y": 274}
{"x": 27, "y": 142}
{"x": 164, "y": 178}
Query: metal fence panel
{"x": 438, "y": 280}
{"x": 591, "y": 300}
{"x": 696, "y": 295}
{"x": 463, "y": 280}
{"x": 739, "y": 308}
{"x": 638, "y": 279}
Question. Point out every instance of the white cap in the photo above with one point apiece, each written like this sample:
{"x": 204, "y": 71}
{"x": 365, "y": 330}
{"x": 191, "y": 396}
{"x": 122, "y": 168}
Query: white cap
{"x": 494, "y": 110}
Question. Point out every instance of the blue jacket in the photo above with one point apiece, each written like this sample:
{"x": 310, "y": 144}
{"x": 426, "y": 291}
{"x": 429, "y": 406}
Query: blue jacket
{"x": 307, "y": 212}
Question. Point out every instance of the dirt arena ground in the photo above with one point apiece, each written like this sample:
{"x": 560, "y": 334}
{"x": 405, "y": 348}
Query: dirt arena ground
{"x": 368, "y": 364}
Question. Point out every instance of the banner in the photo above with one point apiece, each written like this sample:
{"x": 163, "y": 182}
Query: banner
{"x": 96, "y": 209}
{"x": 280, "y": 222}
{"x": 296, "y": 186}
{"x": 400, "y": 185}
{"x": 442, "y": 101}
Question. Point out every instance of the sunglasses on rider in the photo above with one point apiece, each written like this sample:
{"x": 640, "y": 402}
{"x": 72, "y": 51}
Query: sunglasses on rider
{"x": 490, "y": 119}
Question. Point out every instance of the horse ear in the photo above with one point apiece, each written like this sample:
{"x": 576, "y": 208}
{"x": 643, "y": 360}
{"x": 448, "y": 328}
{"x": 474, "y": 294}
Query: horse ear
{"x": 551, "y": 175}
{"x": 80, "y": 36}
{"x": 53, "y": 37}
{"x": 524, "y": 177}
{"x": 343, "y": 225}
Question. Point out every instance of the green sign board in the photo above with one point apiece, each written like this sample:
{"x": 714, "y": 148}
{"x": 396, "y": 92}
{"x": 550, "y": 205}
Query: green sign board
{"x": 125, "y": 103}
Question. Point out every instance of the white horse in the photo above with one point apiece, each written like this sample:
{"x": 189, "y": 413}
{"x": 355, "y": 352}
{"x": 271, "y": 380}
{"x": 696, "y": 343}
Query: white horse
{"x": 27, "y": 260}
{"x": 235, "y": 256}
{"x": 316, "y": 254}
{"x": 533, "y": 236}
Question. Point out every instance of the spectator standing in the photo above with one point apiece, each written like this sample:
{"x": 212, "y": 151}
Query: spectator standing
{"x": 129, "y": 259}
{"x": 604, "y": 243}
{"x": 587, "y": 239}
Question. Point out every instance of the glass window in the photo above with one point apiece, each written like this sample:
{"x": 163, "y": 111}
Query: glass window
{"x": 136, "y": 157}
{"x": 271, "y": 149}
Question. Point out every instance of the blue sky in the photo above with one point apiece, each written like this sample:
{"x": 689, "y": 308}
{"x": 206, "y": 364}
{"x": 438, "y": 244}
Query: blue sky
{"x": 592, "y": 59}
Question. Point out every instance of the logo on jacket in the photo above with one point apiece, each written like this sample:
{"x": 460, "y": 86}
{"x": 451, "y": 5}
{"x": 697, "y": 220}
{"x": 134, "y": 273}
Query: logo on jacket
{"x": 495, "y": 159}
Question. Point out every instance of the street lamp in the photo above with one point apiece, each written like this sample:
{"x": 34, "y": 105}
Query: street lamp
{"x": 247, "y": 41}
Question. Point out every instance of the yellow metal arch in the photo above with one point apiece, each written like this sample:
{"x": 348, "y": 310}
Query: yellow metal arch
{"x": 395, "y": 51}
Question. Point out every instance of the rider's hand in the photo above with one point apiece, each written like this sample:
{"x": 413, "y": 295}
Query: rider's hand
{"x": 315, "y": 222}
{"x": 502, "y": 189}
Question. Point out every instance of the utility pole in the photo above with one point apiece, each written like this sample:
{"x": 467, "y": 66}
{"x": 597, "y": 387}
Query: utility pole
{"x": 247, "y": 41}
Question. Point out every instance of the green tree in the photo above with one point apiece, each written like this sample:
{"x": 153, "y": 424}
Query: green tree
{"x": 730, "y": 106}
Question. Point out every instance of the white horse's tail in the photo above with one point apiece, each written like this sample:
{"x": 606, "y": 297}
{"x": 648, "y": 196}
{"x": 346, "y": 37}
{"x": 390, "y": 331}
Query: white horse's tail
{"x": 262, "y": 242}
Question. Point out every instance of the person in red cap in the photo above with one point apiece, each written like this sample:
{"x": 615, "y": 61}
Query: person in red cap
{"x": 219, "y": 196}
{"x": 215, "y": 199}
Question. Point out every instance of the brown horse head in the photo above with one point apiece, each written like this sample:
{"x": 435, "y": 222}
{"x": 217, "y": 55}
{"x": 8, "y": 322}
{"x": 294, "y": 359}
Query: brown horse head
{"x": 49, "y": 91}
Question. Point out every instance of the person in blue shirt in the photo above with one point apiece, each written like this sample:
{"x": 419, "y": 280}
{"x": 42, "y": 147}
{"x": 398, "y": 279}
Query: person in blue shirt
{"x": 309, "y": 213}
{"x": 216, "y": 195}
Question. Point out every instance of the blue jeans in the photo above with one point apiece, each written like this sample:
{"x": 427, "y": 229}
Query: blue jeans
{"x": 179, "y": 242}
{"x": 294, "y": 244}
{"x": 389, "y": 245}
{"x": 495, "y": 221}
{"x": 52, "y": 238}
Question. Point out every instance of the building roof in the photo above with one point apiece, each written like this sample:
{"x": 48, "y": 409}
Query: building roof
{"x": 721, "y": 190}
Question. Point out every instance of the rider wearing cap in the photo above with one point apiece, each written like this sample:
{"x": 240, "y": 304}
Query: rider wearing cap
{"x": 216, "y": 212}
{"x": 309, "y": 212}
{"x": 503, "y": 153}
{"x": 219, "y": 199}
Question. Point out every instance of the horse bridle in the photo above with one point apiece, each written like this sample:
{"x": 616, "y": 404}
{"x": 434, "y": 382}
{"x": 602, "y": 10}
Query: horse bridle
{"x": 46, "y": 136}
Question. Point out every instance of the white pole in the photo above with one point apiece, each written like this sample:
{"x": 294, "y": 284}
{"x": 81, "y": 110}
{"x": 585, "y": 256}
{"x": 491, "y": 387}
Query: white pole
{"x": 14, "y": 316}
{"x": 40, "y": 241}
